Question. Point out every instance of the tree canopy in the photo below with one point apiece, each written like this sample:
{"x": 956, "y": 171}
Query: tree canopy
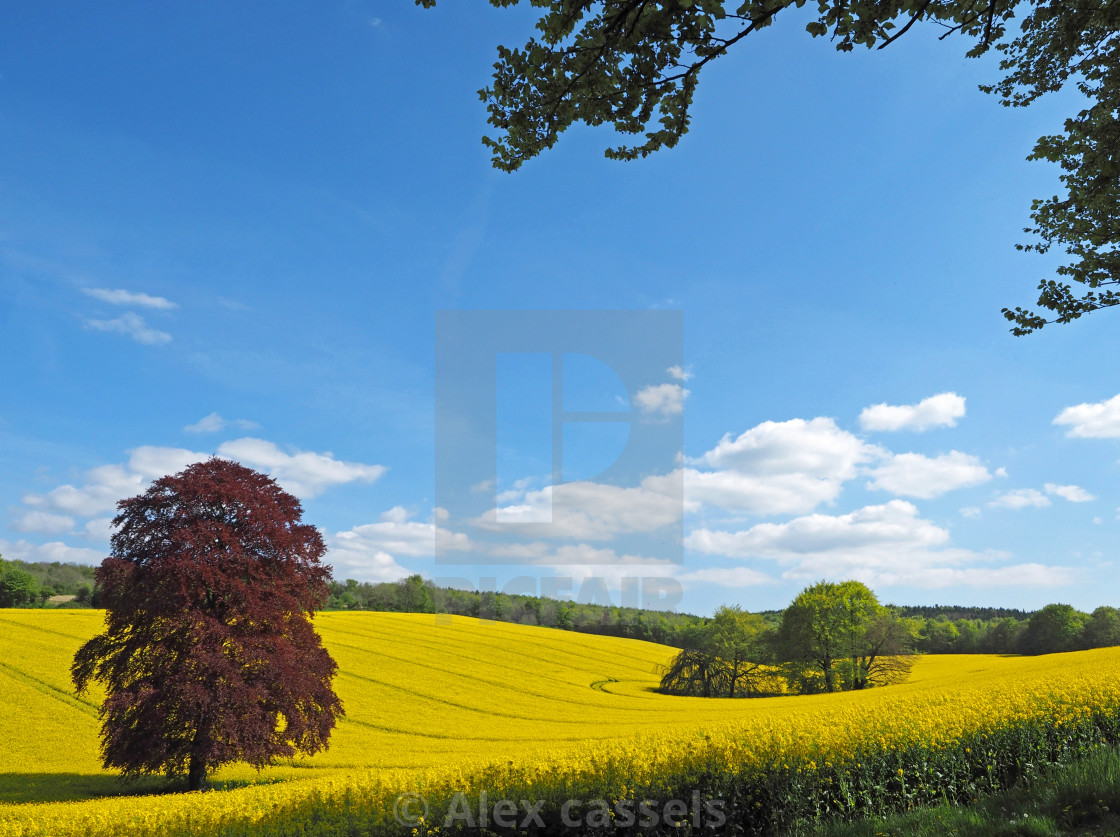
{"x": 832, "y": 637}
{"x": 635, "y": 65}
{"x": 729, "y": 656}
{"x": 17, "y": 588}
{"x": 209, "y": 655}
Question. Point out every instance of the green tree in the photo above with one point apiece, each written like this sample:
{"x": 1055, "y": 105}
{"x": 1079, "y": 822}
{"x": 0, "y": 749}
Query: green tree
{"x": 412, "y": 595}
{"x": 941, "y": 636}
{"x": 17, "y": 588}
{"x": 564, "y": 615}
{"x": 741, "y": 647}
{"x": 695, "y": 670}
{"x": 1055, "y": 628}
{"x": 884, "y": 653}
{"x": 1102, "y": 630}
{"x": 824, "y": 626}
{"x": 635, "y": 65}
{"x": 1003, "y": 636}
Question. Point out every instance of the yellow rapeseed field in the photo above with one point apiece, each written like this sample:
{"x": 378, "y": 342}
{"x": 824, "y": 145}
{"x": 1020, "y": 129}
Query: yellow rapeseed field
{"x": 438, "y": 704}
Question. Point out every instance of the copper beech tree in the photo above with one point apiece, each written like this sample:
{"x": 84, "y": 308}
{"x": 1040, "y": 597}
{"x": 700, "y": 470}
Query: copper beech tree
{"x": 209, "y": 655}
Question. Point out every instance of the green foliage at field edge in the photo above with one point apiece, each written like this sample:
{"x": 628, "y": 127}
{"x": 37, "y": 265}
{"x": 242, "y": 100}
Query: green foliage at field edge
{"x": 1080, "y": 798}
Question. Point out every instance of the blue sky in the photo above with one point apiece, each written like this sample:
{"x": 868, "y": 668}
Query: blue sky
{"x": 227, "y": 228}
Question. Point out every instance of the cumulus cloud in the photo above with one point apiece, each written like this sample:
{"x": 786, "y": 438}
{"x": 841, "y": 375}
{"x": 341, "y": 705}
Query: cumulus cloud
{"x": 817, "y": 448}
{"x": 1020, "y": 498}
{"x": 306, "y": 474}
{"x": 43, "y": 522}
{"x": 766, "y": 494}
{"x": 728, "y": 577}
{"x": 941, "y": 410}
{"x": 369, "y": 552}
{"x": 104, "y": 486}
{"x": 139, "y": 300}
{"x": 1014, "y": 575}
{"x": 49, "y": 552}
{"x": 134, "y": 326}
{"x": 1100, "y": 420}
{"x": 98, "y": 529}
{"x": 1073, "y": 493}
{"x": 915, "y": 475}
{"x": 893, "y": 524}
{"x": 661, "y": 401}
{"x": 589, "y": 511}
{"x": 214, "y": 423}
{"x": 679, "y": 373}
{"x": 785, "y": 467}
{"x": 539, "y": 553}
{"x": 886, "y": 545}
{"x": 397, "y": 534}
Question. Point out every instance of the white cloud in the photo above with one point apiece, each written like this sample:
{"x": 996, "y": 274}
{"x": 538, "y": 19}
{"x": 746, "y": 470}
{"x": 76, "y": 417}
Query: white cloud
{"x": 785, "y": 467}
{"x": 152, "y": 462}
{"x": 304, "y": 473}
{"x": 816, "y": 448}
{"x": 134, "y": 326}
{"x": 98, "y": 529}
{"x": 369, "y": 552}
{"x": 119, "y": 297}
{"x": 44, "y": 522}
{"x": 1092, "y": 421}
{"x": 1073, "y": 493}
{"x": 582, "y": 555}
{"x": 678, "y": 373}
{"x": 104, "y": 486}
{"x": 214, "y": 423}
{"x": 915, "y": 475}
{"x": 662, "y": 401}
{"x": 398, "y": 535}
{"x": 1014, "y": 575}
{"x": 49, "y": 552}
{"x": 940, "y": 410}
{"x": 893, "y": 524}
{"x": 351, "y": 560}
{"x": 971, "y": 512}
{"x": 768, "y": 494}
{"x": 728, "y": 577}
{"x": 588, "y": 510}
{"x": 886, "y": 545}
{"x": 1020, "y": 498}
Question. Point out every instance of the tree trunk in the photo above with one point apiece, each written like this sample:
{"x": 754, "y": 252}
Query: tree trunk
{"x": 196, "y": 774}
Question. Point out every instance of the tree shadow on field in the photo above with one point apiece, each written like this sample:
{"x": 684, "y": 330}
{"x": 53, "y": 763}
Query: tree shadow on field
{"x": 74, "y": 787}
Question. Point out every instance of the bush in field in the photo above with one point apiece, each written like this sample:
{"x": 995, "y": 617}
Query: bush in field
{"x": 17, "y": 588}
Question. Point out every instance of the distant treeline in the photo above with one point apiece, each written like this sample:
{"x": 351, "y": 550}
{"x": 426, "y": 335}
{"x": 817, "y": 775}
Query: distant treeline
{"x": 415, "y": 595}
{"x": 26, "y": 584}
{"x": 937, "y": 629}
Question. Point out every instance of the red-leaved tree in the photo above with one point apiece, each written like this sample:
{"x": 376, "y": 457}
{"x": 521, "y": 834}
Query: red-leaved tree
{"x": 209, "y": 655}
